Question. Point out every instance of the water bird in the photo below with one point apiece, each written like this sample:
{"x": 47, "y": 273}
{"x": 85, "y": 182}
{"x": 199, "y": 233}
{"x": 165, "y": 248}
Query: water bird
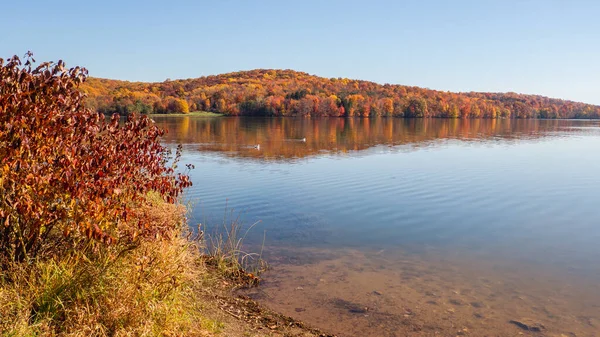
{"x": 303, "y": 139}
{"x": 257, "y": 146}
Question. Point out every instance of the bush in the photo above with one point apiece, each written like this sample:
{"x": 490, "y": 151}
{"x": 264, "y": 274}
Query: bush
{"x": 68, "y": 176}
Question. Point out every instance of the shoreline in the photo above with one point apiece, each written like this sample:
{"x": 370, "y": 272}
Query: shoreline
{"x": 240, "y": 315}
{"x": 203, "y": 114}
{"x": 167, "y": 286}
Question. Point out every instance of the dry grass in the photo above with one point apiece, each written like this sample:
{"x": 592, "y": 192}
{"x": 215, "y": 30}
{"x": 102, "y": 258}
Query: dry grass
{"x": 150, "y": 289}
{"x": 225, "y": 251}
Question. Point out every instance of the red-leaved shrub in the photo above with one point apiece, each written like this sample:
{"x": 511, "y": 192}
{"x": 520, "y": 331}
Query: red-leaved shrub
{"x": 66, "y": 172}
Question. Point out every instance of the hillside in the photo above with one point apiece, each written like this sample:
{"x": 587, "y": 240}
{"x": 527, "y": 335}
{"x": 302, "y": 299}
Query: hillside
{"x": 265, "y": 92}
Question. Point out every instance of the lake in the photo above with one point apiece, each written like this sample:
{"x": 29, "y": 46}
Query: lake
{"x": 393, "y": 227}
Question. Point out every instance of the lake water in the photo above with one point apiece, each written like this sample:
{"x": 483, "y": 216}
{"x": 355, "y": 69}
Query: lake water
{"x": 393, "y": 227}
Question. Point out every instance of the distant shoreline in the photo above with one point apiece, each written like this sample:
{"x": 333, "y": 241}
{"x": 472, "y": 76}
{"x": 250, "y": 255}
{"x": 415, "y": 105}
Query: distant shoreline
{"x": 270, "y": 92}
{"x": 190, "y": 114}
{"x": 216, "y": 114}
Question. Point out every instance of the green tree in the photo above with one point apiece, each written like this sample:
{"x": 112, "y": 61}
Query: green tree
{"x": 417, "y": 107}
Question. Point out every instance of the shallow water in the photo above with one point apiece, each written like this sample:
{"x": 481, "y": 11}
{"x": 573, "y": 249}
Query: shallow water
{"x": 380, "y": 213}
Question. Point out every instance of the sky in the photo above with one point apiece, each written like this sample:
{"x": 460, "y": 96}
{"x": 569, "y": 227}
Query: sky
{"x": 544, "y": 47}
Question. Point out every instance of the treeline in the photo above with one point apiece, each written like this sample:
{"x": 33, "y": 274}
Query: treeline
{"x": 291, "y": 93}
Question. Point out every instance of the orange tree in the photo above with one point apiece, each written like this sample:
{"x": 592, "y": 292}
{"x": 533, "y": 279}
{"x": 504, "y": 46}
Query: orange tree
{"x": 67, "y": 174}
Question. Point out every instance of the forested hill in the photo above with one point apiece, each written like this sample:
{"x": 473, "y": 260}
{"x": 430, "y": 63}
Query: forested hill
{"x": 291, "y": 93}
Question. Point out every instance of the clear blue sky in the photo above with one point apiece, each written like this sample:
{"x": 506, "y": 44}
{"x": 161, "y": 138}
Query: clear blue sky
{"x": 540, "y": 47}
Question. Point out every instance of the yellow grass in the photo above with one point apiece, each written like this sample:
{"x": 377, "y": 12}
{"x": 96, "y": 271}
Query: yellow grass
{"x": 147, "y": 290}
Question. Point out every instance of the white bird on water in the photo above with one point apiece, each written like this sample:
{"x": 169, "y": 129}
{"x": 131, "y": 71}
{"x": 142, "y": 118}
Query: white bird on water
{"x": 257, "y": 146}
{"x": 304, "y": 140}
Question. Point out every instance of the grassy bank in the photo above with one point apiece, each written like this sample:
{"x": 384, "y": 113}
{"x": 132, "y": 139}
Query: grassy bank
{"x": 191, "y": 114}
{"x": 162, "y": 287}
{"x": 149, "y": 288}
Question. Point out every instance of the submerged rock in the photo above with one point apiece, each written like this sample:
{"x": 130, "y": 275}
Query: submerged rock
{"x": 455, "y": 301}
{"x": 351, "y": 307}
{"x": 528, "y": 325}
{"x": 477, "y": 304}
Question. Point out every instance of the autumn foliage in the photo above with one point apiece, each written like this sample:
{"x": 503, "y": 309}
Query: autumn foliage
{"x": 265, "y": 92}
{"x": 66, "y": 173}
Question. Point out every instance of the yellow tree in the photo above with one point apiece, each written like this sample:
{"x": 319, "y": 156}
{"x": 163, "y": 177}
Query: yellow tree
{"x": 387, "y": 106}
{"x": 181, "y": 105}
